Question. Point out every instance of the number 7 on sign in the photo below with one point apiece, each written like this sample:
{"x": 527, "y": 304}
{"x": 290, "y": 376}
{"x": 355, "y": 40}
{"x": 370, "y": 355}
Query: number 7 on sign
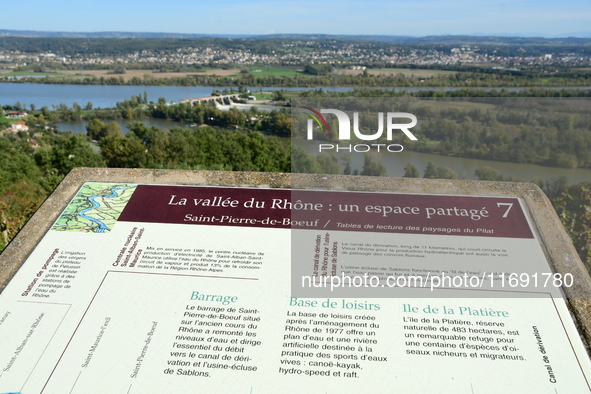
{"x": 508, "y": 204}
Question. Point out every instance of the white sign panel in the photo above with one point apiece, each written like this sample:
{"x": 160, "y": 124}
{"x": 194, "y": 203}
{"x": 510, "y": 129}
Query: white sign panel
{"x": 172, "y": 289}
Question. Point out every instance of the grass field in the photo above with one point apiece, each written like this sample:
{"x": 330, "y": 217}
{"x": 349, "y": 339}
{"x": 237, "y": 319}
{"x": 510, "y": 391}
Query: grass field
{"x": 265, "y": 71}
{"x": 6, "y": 122}
{"x": 458, "y": 104}
{"x": 262, "y": 95}
{"x": 407, "y": 72}
{"x": 129, "y": 74}
{"x": 261, "y": 71}
{"x": 32, "y": 74}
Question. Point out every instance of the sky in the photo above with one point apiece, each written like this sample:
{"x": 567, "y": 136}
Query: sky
{"x": 526, "y": 18}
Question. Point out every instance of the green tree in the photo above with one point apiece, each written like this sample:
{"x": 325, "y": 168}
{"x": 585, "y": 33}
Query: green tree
{"x": 538, "y": 180}
{"x": 554, "y": 187}
{"x": 434, "y": 172}
{"x": 279, "y": 122}
{"x": 279, "y": 95}
{"x": 16, "y": 163}
{"x": 113, "y": 129}
{"x": 21, "y": 187}
{"x": 95, "y": 129}
{"x": 446, "y": 173}
{"x": 67, "y": 153}
{"x": 47, "y": 114}
{"x": 411, "y": 171}
{"x": 120, "y": 152}
{"x": 346, "y": 160}
{"x": 302, "y": 162}
{"x": 487, "y": 173}
{"x": 372, "y": 165}
{"x": 77, "y": 111}
{"x": 318, "y": 69}
{"x": 17, "y": 204}
{"x": 119, "y": 70}
{"x": 430, "y": 171}
{"x": 328, "y": 164}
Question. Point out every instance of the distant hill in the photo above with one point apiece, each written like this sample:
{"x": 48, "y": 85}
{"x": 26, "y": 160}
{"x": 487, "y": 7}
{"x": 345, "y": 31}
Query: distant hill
{"x": 444, "y": 39}
{"x": 583, "y": 39}
{"x": 109, "y": 34}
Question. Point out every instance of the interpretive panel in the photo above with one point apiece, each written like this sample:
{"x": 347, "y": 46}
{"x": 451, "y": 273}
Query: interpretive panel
{"x": 162, "y": 289}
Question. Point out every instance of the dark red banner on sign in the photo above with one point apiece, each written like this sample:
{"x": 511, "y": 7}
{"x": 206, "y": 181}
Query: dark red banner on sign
{"x": 327, "y": 210}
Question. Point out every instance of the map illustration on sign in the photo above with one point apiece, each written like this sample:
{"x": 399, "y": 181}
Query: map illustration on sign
{"x": 96, "y": 208}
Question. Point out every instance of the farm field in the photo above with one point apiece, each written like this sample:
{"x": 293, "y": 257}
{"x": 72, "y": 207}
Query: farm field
{"x": 265, "y": 71}
{"x": 26, "y": 73}
{"x": 129, "y": 74}
{"x": 458, "y": 104}
{"x": 259, "y": 71}
{"x": 407, "y": 72}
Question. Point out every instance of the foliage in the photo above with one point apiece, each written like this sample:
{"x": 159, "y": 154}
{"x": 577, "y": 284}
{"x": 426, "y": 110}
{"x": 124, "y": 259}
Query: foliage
{"x": 487, "y": 173}
{"x": 18, "y": 202}
{"x": 200, "y": 148}
{"x": 97, "y": 130}
{"x": 67, "y": 152}
{"x": 573, "y": 207}
{"x": 411, "y": 171}
{"x": 430, "y": 171}
{"x": 317, "y": 69}
{"x": 446, "y": 173}
{"x": 23, "y": 187}
{"x": 372, "y": 166}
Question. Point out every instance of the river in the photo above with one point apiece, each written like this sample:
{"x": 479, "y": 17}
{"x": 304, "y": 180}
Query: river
{"x": 465, "y": 168}
{"x": 106, "y": 96}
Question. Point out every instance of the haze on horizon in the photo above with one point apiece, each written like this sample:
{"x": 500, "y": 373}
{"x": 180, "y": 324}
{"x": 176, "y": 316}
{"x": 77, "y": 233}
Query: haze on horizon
{"x": 521, "y": 18}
